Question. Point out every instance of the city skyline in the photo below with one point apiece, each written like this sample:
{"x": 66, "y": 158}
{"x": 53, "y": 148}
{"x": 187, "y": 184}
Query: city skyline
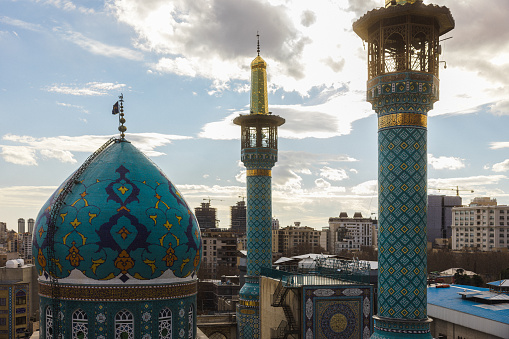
{"x": 183, "y": 69}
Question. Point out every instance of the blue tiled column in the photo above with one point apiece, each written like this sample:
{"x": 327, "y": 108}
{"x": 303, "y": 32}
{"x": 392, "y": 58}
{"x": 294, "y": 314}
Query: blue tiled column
{"x": 259, "y": 237}
{"x": 402, "y": 107}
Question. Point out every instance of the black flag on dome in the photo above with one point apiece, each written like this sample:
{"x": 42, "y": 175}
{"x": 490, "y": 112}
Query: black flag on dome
{"x": 115, "y": 108}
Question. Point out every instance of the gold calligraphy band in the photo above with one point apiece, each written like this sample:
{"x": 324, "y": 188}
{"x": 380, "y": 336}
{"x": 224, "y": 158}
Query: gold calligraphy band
{"x": 249, "y": 303}
{"x": 259, "y": 172}
{"x": 121, "y": 293}
{"x": 402, "y": 119}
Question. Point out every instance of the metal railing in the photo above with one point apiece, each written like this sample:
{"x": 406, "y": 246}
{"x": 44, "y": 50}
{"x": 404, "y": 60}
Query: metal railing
{"x": 52, "y": 264}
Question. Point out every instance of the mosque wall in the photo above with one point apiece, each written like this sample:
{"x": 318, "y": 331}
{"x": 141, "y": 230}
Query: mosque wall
{"x": 170, "y": 318}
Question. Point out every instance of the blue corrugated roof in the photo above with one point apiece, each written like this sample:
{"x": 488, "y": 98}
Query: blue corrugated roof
{"x": 449, "y": 298}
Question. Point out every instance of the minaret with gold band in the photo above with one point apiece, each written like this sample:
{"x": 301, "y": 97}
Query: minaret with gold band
{"x": 403, "y": 85}
{"x": 259, "y": 154}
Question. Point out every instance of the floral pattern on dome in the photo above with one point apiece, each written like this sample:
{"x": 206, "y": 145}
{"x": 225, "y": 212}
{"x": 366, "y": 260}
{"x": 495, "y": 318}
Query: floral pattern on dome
{"x": 123, "y": 219}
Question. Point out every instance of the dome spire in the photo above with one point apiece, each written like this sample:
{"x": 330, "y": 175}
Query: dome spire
{"x": 121, "y": 119}
{"x": 259, "y": 103}
{"x": 399, "y": 2}
{"x": 258, "y": 46}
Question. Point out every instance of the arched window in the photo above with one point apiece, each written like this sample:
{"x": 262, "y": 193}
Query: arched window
{"x": 395, "y": 53}
{"x": 165, "y": 323}
{"x": 124, "y": 325}
{"x": 79, "y": 325}
{"x": 21, "y": 297}
{"x": 49, "y": 322}
{"x": 191, "y": 321}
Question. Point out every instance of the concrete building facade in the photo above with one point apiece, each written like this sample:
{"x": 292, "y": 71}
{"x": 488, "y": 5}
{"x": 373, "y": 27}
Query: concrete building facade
{"x": 31, "y": 223}
{"x": 21, "y": 225}
{"x": 238, "y": 217}
{"x": 206, "y": 216}
{"x": 347, "y": 233}
{"x": 19, "y": 299}
{"x": 440, "y": 216}
{"x": 219, "y": 251}
{"x": 482, "y": 225}
{"x": 297, "y": 239}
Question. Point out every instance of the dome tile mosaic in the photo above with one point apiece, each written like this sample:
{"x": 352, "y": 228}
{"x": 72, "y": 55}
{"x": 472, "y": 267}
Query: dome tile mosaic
{"x": 123, "y": 223}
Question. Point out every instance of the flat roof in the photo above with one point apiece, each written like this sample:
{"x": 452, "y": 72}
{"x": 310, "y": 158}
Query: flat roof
{"x": 450, "y": 299}
{"x": 500, "y": 283}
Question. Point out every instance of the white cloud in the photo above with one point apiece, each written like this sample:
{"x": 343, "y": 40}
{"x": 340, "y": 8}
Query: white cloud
{"x": 79, "y": 108}
{"x": 67, "y": 5}
{"x": 500, "y": 107}
{"x": 99, "y": 48}
{"x": 442, "y": 162}
{"x": 215, "y": 39}
{"x": 88, "y": 89}
{"x": 62, "y": 147}
{"x": 366, "y": 188}
{"x": 25, "y": 196}
{"x": 21, "y": 24}
{"x": 333, "y": 174}
{"x": 499, "y": 145}
{"x": 477, "y": 182}
{"x": 62, "y": 156}
{"x": 322, "y": 183}
{"x": 501, "y": 166}
{"x": 241, "y": 177}
{"x": 19, "y": 155}
{"x": 221, "y": 130}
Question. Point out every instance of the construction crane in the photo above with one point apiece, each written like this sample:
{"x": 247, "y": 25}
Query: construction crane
{"x": 243, "y": 197}
{"x": 209, "y": 200}
{"x": 457, "y": 189}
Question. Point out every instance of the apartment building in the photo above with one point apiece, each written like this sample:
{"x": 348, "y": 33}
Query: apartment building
{"x": 296, "y": 239}
{"x": 219, "y": 252}
{"x": 351, "y": 233}
{"x": 482, "y": 225}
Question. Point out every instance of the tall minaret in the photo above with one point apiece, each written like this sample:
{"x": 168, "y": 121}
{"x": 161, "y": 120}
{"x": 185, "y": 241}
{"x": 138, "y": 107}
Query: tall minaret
{"x": 403, "y": 64}
{"x": 259, "y": 154}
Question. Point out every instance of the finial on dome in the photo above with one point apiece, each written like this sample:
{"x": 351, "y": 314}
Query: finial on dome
{"x": 258, "y": 46}
{"x": 399, "y": 2}
{"x": 121, "y": 119}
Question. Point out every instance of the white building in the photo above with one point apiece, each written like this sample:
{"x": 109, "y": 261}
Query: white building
{"x": 351, "y": 233}
{"x": 483, "y": 225}
{"x": 26, "y": 246}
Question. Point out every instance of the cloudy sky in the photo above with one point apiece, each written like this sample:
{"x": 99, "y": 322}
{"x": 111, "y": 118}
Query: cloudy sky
{"x": 183, "y": 67}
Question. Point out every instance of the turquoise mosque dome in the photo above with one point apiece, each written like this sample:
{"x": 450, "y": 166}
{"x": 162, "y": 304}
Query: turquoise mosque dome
{"x": 122, "y": 223}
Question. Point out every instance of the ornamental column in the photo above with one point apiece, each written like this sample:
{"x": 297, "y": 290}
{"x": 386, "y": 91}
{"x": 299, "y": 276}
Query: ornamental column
{"x": 403, "y": 84}
{"x": 259, "y": 154}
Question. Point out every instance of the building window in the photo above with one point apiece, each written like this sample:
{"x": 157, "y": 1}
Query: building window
{"x": 21, "y": 298}
{"x": 3, "y": 321}
{"x": 165, "y": 323}
{"x": 124, "y": 325}
{"x": 3, "y": 301}
{"x": 191, "y": 322}
{"x": 21, "y": 320}
{"x": 49, "y": 323}
{"x": 79, "y": 325}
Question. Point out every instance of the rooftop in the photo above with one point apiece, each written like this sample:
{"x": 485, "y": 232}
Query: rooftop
{"x": 448, "y": 304}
